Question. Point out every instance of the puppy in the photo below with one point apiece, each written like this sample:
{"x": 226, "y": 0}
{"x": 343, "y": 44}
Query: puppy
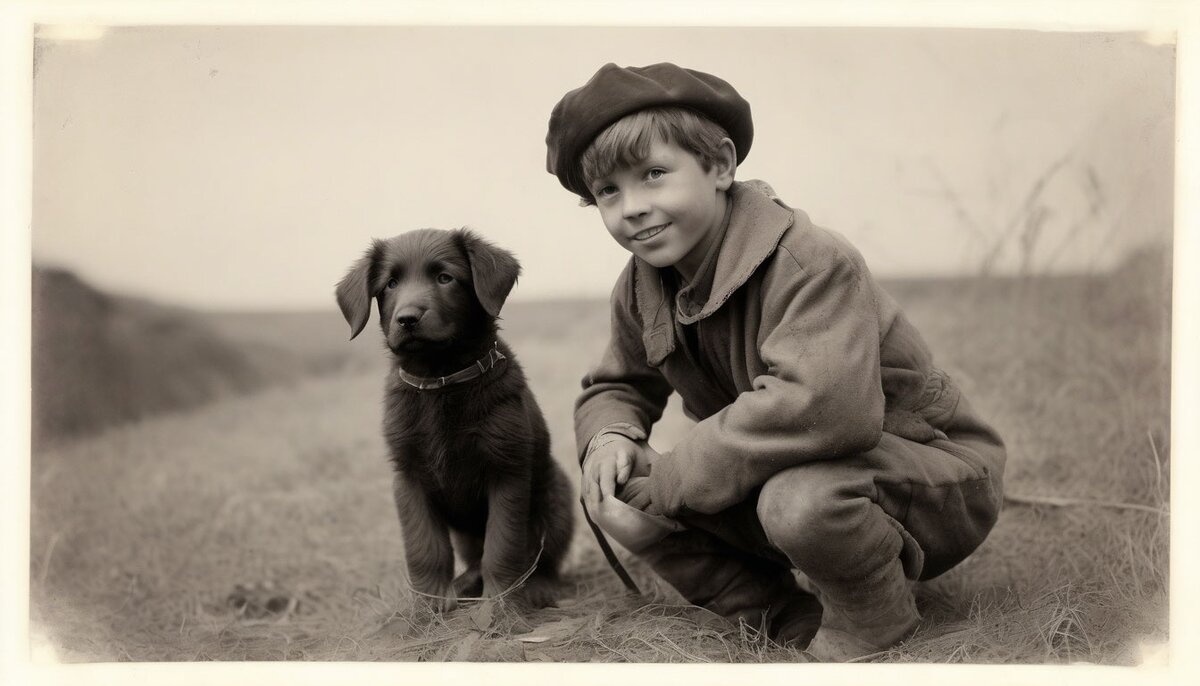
{"x": 468, "y": 441}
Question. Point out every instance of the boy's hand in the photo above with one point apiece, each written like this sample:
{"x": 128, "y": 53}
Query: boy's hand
{"x": 636, "y": 494}
{"x": 611, "y": 465}
{"x": 659, "y": 493}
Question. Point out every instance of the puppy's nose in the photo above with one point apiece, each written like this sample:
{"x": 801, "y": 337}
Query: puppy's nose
{"x": 408, "y": 317}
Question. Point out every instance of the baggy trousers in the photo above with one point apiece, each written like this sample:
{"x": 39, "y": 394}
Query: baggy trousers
{"x": 840, "y": 521}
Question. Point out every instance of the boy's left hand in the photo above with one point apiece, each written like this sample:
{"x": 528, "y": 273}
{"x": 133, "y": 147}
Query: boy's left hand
{"x": 636, "y": 494}
{"x": 637, "y": 465}
{"x": 660, "y": 492}
{"x": 634, "y": 490}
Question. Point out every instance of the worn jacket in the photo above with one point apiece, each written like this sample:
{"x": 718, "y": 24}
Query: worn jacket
{"x": 783, "y": 349}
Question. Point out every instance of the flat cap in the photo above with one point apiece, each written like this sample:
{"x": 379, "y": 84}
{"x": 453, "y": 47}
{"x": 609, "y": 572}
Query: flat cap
{"x": 614, "y": 92}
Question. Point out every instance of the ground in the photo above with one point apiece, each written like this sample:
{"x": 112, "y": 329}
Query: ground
{"x": 260, "y": 526}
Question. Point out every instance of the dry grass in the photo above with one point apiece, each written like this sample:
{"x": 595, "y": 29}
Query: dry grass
{"x": 171, "y": 538}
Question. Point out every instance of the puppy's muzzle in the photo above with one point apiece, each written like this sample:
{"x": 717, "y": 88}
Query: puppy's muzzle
{"x": 407, "y": 317}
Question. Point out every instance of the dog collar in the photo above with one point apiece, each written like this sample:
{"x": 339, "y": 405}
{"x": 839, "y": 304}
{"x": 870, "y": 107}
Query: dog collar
{"x": 481, "y": 366}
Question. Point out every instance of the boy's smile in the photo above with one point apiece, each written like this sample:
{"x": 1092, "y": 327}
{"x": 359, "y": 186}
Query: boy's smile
{"x": 650, "y": 232}
{"x": 666, "y": 208}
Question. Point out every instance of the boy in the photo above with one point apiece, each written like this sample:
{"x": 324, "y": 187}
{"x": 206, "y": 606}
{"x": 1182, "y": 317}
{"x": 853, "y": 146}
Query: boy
{"x": 826, "y": 441}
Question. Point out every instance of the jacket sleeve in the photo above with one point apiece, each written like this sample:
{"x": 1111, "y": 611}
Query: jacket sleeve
{"x": 820, "y": 398}
{"x": 622, "y": 393}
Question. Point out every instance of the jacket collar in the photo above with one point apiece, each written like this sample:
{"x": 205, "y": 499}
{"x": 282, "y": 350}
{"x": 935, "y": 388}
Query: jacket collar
{"x": 756, "y": 224}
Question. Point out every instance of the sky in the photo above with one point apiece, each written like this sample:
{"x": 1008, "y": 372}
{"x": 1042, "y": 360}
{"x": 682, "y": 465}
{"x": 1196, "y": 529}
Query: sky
{"x": 246, "y": 167}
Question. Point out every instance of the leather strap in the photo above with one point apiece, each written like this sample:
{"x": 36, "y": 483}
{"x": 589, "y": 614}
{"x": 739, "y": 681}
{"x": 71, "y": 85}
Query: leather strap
{"x": 609, "y": 554}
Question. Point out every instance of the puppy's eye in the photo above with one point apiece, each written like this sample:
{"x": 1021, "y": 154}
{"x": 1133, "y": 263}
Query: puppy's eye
{"x": 444, "y": 278}
{"x": 392, "y": 283}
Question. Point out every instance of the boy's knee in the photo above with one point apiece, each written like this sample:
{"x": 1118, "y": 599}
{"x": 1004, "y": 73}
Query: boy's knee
{"x": 825, "y": 523}
{"x": 798, "y": 514}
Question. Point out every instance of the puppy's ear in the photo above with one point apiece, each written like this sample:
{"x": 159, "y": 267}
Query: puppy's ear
{"x": 494, "y": 271}
{"x": 354, "y": 291}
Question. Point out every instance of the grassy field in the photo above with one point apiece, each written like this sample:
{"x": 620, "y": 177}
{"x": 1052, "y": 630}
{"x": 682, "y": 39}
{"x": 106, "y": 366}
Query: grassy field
{"x": 259, "y": 526}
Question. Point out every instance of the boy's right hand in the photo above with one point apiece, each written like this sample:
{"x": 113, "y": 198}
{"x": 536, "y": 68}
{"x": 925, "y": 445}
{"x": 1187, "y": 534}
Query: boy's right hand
{"x": 611, "y": 464}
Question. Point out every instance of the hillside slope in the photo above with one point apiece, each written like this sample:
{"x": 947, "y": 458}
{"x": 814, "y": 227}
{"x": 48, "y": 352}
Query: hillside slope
{"x": 99, "y": 360}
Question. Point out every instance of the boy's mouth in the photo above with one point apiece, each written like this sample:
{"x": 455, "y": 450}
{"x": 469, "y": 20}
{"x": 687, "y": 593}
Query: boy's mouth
{"x": 651, "y": 232}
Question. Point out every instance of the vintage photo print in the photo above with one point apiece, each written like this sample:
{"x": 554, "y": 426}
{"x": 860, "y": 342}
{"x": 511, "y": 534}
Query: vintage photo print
{"x": 909, "y": 329}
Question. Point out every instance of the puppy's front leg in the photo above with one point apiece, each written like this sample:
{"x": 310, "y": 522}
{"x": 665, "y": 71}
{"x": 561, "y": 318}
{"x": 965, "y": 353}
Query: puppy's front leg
{"x": 427, "y": 547}
{"x": 506, "y": 554}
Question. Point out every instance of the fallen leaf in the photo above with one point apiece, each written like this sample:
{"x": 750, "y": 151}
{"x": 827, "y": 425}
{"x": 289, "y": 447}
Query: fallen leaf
{"x": 482, "y": 615}
{"x": 557, "y": 630}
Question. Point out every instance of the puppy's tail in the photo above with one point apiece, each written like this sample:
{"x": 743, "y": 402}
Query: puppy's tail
{"x": 609, "y": 554}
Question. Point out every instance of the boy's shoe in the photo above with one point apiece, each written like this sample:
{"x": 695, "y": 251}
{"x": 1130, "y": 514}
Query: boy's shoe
{"x": 865, "y": 617}
{"x": 796, "y": 620}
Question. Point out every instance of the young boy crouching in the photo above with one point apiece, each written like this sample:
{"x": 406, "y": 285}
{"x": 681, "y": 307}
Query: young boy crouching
{"x": 826, "y": 440}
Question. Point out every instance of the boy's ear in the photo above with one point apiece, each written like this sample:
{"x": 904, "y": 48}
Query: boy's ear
{"x": 493, "y": 270}
{"x": 726, "y": 164}
{"x": 354, "y": 291}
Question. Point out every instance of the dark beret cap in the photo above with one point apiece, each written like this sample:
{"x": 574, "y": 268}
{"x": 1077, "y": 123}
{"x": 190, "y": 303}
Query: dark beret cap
{"x": 614, "y": 92}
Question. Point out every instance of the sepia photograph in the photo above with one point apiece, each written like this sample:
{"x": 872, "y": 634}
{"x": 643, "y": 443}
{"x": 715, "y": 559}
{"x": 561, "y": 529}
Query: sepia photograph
{"x": 514, "y": 339}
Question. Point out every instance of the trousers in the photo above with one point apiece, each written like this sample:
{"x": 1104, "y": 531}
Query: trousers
{"x": 840, "y": 521}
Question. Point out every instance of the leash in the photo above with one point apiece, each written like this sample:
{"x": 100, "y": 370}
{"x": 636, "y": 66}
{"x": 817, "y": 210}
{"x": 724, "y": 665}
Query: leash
{"x": 609, "y": 554}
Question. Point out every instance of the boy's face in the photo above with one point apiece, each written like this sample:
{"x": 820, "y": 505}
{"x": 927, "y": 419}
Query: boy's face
{"x": 666, "y": 209}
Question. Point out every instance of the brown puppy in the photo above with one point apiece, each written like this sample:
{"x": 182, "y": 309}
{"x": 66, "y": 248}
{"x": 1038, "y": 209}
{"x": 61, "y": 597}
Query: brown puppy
{"x": 468, "y": 442}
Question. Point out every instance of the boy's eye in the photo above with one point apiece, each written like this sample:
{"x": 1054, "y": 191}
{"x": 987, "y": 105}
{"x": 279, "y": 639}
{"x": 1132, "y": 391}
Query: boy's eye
{"x": 444, "y": 278}
{"x": 392, "y": 283}
{"x": 605, "y": 191}
{"x": 655, "y": 173}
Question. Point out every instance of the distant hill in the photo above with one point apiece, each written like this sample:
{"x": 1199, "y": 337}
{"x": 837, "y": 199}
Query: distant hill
{"x": 100, "y": 360}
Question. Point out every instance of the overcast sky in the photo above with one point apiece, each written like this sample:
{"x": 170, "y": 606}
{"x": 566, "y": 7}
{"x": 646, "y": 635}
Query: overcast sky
{"x": 247, "y": 167}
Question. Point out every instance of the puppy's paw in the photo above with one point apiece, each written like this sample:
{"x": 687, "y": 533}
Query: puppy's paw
{"x": 539, "y": 592}
{"x": 447, "y": 602}
{"x": 469, "y": 584}
{"x": 436, "y": 599}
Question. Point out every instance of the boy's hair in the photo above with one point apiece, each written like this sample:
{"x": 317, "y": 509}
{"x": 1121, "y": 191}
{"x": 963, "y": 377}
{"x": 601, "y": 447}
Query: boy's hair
{"x": 627, "y": 141}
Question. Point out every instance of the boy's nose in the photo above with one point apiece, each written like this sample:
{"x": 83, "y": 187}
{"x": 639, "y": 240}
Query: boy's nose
{"x": 634, "y": 205}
